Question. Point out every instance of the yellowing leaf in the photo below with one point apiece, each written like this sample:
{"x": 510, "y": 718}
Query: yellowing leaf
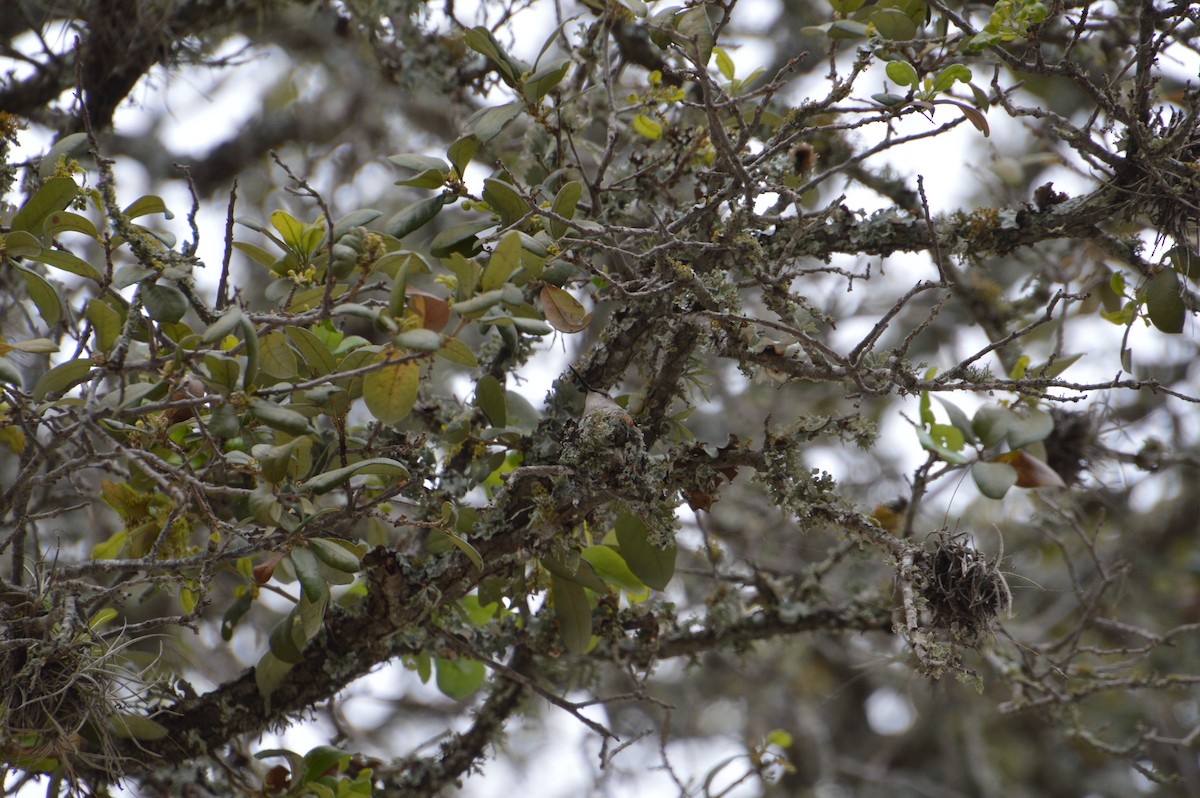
{"x": 563, "y": 311}
{"x": 391, "y": 392}
{"x": 647, "y": 128}
{"x": 1031, "y": 472}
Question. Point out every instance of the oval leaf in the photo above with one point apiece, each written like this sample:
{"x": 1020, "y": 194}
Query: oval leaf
{"x": 308, "y": 572}
{"x": 489, "y": 397}
{"x": 1032, "y": 472}
{"x": 653, "y": 565}
{"x": 564, "y": 205}
{"x": 574, "y": 614}
{"x": 563, "y": 311}
{"x": 54, "y": 195}
{"x": 323, "y": 483}
{"x": 335, "y": 555}
{"x": 1034, "y": 426}
{"x": 391, "y": 392}
{"x": 164, "y": 303}
{"x": 994, "y": 479}
{"x": 1164, "y": 302}
{"x": 413, "y": 217}
{"x": 62, "y": 377}
{"x": 460, "y": 678}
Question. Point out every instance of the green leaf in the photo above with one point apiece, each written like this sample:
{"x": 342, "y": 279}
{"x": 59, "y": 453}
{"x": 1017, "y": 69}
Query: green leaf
{"x": 505, "y": 260}
{"x": 43, "y": 294}
{"x": 578, "y": 571}
{"x": 531, "y": 326}
{"x": 146, "y": 205}
{"x": 925, "y": 409}
{"x": 902, "y": 73}
{"x": 280, "y": 418}
{"x": 224, "y": 421}
{"x": 486, "y": 123}
{"x": 694, "y": 30}
{"x": 420, "y": 340}
{"x": 847, "y": 29}
{"x": 458, "y": 542}
{"x": 461, "y": 238}
{"x": 476, "y": 305}
{"x": 276, "y": 356}
{"x": 959, "y": 420}
{"x": 1185, "y": 261}
{"x": 647, "y": 128}
{"x": 413, "y": 217}
{"x": 461, "y": 152}
{"x": 136, "y": 727}
{"x": 940, "y": 439}
{"x": 846, "y": 7}
{"x": 54, "y": 195}
{"x": 612, "y": 568}
{"x": 539, "y": 84}
{"x": 67, "y": 147}
{"x": 321, "y": 760}
{"x": 724, "y": 63}
{"x": 391, "y": 392}
{"x": 991, "y": 424}
{"x": 481, "y": 40}
{"x": 459, "y": 678}
{"x": 888, "y": 99}
{"x": 505, "y": 201}
{"x": 62, "y": 377}
{"x": 21, "y": 244}
{"x": 1031, "y": 427}
{"x": 67, "y": 263}
{"x": 228, "y": 322}
{"x": 308, "y": 573}
{"x": 359, "y": 218}
{"x": 994, "y": 479}
{"x": 564, "y": 205}
{"x": 42, "y": 346}
{"x": 269, "y": 673}
{"x": 457, "y": 352}
{"x": 653, "y": 565}
{"x": 313, "y": 351}
{"x": 380, "y": 466}
{"x": 291, "y": 229}
{"x": 489, "y": 397}
{"x": 256, "y": 254}
{"x": 946, "y": 78}
{"x": 106, "y": 322}
{"x": 335, "y": 555}
{"x": 893, "y": 25}
{"x": 574, "y": 614}
{"x": 164, "y": 303}
{"x": 1052, "y": 369}
{"x": 1164, "y": 302}
{"x": 67, "y": 222}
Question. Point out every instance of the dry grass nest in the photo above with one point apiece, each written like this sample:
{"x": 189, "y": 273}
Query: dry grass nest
{"x": 64, "y": 691}
{"x": 963, "y": 589}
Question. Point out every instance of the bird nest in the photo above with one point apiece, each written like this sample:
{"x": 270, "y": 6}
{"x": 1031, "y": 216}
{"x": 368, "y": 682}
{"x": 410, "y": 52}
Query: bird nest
{"x": 963, "y": 590}
{"x": 64, "y": 690}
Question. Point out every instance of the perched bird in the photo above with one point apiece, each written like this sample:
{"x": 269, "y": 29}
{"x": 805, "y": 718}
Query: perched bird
{"x": 889, "y": 516}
